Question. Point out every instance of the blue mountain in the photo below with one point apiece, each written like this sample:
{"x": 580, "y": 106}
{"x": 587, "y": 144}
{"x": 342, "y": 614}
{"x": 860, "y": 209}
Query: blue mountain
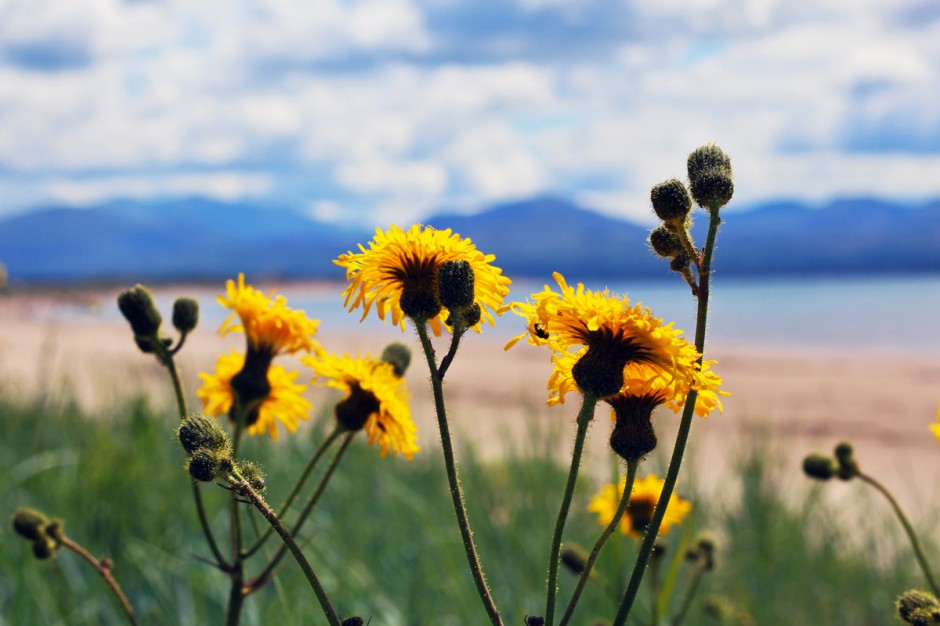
{"x": 199, "y": 239}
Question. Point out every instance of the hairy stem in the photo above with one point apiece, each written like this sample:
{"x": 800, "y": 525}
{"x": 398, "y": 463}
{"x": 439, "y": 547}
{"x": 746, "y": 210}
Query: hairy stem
{"x": 103, "y": 567}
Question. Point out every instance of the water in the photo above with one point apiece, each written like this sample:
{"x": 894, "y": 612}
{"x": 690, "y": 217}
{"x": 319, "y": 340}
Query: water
{"x": 891, "y": 313}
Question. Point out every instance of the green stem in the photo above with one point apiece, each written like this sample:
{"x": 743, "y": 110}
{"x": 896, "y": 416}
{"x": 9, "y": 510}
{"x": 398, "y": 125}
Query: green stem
{"x": 689, "y": 594}
{"x": 104, "y": 568}
{"x": 456, "y": 496}
{"x": 585, "y": 415}
{"x": 241, "y": 486}
{"x": 682, "y": 437}
{"x": 207, "y": 529}
{"x": 918, "y": 551}
{"x": 167, "y": 359}
{"x": 321, "y": 450}
{"x": 262, "y": 579}
{"x": 596, "y": 550}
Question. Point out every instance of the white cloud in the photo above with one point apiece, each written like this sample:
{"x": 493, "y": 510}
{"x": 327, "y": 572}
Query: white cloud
{"x": 228, "y": 186}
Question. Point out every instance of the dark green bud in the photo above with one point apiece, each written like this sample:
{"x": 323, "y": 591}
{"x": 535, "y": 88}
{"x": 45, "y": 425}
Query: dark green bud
{"x": 633, "y": 436}
{"x": 534, "y": 620}
{"x": 399, "y": 355}
{"x": 353, "y": 621}
{"x": 185, "y": 314}
{"x": 465, "y": 318}
{"x": 659, "y": 550}
{"x": 665, "y": 243}
{"x": 704, "y": 549}
{"x": 819, "y": 466}
{"x": 204, "y": 465}
{"x": 44, "y": 547}
{"x": 136, "y": 304}
{"x": 918, "y": 607}
{"x": 710, "y": 176}
{"x": 29, "y": 523}
{"x": 671, "y": 201}
{"x": 680, "y": 263}
{"x": 455, "y": 282}
{"x": 574, "y": 557}
{"x": 198, "y": 431}
{"x": 845, "y": 455}
{"x": 253, "y": 474}
{"x": 705, "y": 158}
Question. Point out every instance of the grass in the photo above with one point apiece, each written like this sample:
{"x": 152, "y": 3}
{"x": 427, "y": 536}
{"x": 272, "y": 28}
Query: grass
{"x": 384, "y": 539}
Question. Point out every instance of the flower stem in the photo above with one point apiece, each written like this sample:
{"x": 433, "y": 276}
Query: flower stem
{"x": 585, "y": 415}
{"x": 456, "y": 496}
{"x": 689, "y": 594}
{"x": 103, "y": 567}
{"x": 682, "y": 437}
{"x": 241, "y": 486}
{"x": 321, "y": 450}
{"x": 918, "y": 551}
{"x": 261, "y": 579}
{"x": 166, "y": 357}
{"x": 611, "y": 527}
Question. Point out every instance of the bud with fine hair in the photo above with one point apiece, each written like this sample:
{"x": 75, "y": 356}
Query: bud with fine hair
{"x": 29, "y": 523}
{"x": 399, "y": 355}
{"x": 845, "y": 455}
{"x": 534, "y": 620}
{"x": 819, "y": 466}
{"x": 353, "y": 621}
{"x": 455, "y": 282}
{"x": 204, "y": 465}
{"x": 252, "y": 473}
{"x": 137, "y": 307}
{"x": 665, "y": 242}
{"x": 671, "y": 202}
{"x": 917, "y": 607}
{"x": 198, "y": 431}
{"x": 710, "y": 177}
{"x": 185, "y": 314}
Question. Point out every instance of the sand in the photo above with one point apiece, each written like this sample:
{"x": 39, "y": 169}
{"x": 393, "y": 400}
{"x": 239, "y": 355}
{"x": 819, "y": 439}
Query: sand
{"x": 796, "y": 400}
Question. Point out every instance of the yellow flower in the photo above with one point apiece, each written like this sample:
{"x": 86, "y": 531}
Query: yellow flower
{"x": 269, "y": 324}
{"x": 403, "y": 265}
{"x": 652, "y": 356}
{"x": 284, "y": 403}
{"x": 639, "y": 513}
{"x": 374, "y": 399}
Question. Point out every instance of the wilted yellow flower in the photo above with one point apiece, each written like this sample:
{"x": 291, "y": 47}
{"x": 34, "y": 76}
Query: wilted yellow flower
{"x": 270, "y": 326}
{"x": 284, "y": 402}
{"x": 398, "y": 274}
{"x": 643, "y": 500}
{"x": 374, "y": 399}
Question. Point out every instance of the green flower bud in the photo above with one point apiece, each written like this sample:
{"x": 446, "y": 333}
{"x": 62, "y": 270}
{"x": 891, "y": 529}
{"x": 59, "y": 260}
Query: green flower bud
{"x": 710, "y": 176}
{"x": 680, "y": 263}
{"x": 253, "y": 474}
{"x": 665, "y": 243}
{"x": 633, "y": 436}
{"x": 136, "y": 304}
{"x": 198, "y": 431}
{"x": 819, "y": 466}
{"x": 574, "y": 557}
{"x": 848, "y": 467}
{"x": 29, "y": 523}
{"x": 918, "y": 607}
{"x": 455, "y": 282}
{"x": 704, "y": 549}
{"x": 534, "y": 620}
{"x": 204, "y": 465}
{"x": 464, "y": 318}
{"x": 671, "y": 201}
{"x": 44, "y": 548}
{"x": 353, "y": 621}
{"x": 399, "y": 355}
{"x": 185, "y": 314}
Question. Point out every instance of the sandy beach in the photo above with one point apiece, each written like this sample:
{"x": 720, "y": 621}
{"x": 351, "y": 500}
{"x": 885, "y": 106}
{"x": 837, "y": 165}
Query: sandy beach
{"x": 797, "y": 400}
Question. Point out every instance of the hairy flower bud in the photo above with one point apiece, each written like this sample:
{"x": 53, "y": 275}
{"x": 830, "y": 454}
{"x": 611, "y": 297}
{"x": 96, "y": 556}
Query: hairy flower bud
{"x": 399, "y": 355}
{"x": 710, "y": 177}
{"x": 671, "y": 201}
{"x": 253, "y": 474}
{"x": 819, "y": 466}
{"x": 29, "y": 523}
{"x": 845, "y": 455}
{"x": 204, "y": 465}
{"x": 137, "y": 307}
{"x": 665, "y": 243}
{"x": 918, "y": 607}
{"x": 198, "y": 431}
{"x": 185, "y": 314}
{"x": 574, "y": 557}
{"x": 455, "y": 282}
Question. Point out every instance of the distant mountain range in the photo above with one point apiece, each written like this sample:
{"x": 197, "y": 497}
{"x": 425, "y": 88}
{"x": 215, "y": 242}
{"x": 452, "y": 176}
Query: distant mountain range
{"x": 203, "y": 240}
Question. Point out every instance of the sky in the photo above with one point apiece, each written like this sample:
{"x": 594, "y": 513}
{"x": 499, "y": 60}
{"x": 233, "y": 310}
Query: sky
{"x": 393, "y": 110}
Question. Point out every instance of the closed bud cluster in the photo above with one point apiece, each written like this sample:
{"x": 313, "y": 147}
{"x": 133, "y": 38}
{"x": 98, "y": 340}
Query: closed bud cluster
{"x": 456, "y": 289}
{"x": 207, "y": 447}
{"x": 710, "y": 177}
{"x": 353, "y": 621}
{"x": 534, "y": 620}
{"x": 919, "y": 608}
{"x": 671, "y": 202}
{"x": 137, "y": 307}
{"x": 399, "y": 355}
{"x": 33, "y": 526}
{"x": 704, "y": 549}
{"x": 819, "y": 466}
{"x": 253, "y": 474}
{"x": 845, "y": 455}
{"x": 185, "y": 314}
